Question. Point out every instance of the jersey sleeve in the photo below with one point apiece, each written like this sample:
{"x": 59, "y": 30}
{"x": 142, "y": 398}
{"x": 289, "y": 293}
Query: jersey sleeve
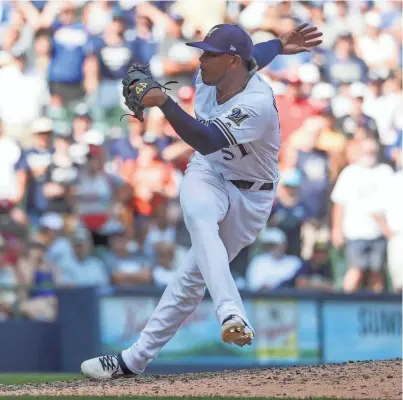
{"x": 249, "y": 120}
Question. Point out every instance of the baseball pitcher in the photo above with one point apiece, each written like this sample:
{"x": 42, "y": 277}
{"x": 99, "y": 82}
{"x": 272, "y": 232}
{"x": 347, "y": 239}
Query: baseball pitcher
{"x": 229, "y": 186}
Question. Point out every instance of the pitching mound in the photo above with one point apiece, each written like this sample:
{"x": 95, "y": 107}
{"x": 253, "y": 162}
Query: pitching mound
{"x": 375, "y": 380}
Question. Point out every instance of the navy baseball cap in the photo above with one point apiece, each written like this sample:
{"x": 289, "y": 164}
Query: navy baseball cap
{"x": 227, "y": 38}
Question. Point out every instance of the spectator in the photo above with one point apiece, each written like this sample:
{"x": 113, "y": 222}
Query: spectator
{"x": 97, "y": 15}
{"x": 36, "y": 161}
{"x": 160, "y": 229}
{"x": 70, "y": 46}
{"x": 316, "y": 273}
{"x": 126, "y": 265}
{"x": 61, "y": 176}
{"x": 14, "y": 80}
{"x": 174, "y": 60}
{"x": 100, "y": 196}
{"x": 8, "y": 284}
{"x": 383, "y": 103}
{"x": 142, "y": 39}
{"x": 42, "y": 47}
{"x": 353, "y": 224}
{"x": 164, "y": 271}
{"x": 315, "y": 183}
{"x": 342, "y": 19}
{"x": 282, "y": 67}
{"x": 288, "y": 212}
{"x": 378, "y": 49}
{"x": 126, "y": 149}
{"x": 333, "y": 142}
{"x": 39, "y": 300}
{"x": 356, "y": 123}
{"x": 294, "y": 108}
{"x": 273, "y": 269}
{"x": 13, "y": 176}
{"x": 51, "y": 234}
{"x": 113, "y": 56}
{"x": 151, "y": 179}
{"x": 80, "y": 268}
{"x": 82, "y": 123}
{"x": 342, "y": 65}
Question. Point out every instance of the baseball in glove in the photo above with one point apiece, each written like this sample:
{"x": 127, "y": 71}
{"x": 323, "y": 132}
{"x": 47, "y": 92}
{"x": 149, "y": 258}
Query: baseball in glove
{"x": 136, "y": 83}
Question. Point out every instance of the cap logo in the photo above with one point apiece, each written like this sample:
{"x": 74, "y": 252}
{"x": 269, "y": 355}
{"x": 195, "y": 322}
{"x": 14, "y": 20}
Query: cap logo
{"x": 232, "y": 48}
{"x": 211, "y": 31}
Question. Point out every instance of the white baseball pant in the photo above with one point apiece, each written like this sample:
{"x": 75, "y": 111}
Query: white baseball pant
{"x": 221, "y": 220}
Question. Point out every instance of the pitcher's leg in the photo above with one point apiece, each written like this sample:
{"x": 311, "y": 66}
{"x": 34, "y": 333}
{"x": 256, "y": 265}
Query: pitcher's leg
{"x": 205, "y": 203}
{"x": 180, "y": 299}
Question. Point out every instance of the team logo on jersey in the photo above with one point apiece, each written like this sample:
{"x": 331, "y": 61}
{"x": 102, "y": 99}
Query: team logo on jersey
{"x": 211, "y": 31}
{"x": 237, "y": 116}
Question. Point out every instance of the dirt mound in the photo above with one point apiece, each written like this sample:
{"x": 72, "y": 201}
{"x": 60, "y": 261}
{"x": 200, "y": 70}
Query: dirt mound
{"x": 373, "y": 379}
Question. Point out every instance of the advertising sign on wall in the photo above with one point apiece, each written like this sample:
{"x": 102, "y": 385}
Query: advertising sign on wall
{"x": 286, "y": 332}
{"x": 362, "y": 331}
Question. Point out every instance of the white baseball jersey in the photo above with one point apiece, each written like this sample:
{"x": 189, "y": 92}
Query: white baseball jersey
{"x": 250, "y": 122}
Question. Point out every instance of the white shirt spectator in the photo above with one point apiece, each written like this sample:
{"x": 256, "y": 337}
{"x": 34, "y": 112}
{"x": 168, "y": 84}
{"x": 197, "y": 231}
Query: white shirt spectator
{"x": 21, "y": 109}
{"x": 88, "y": 272}
{"x": 389, "y": 202}
{"x": 377, "y": 52}
{"x": 155, "y": 235}
{"x": 10, "y": 154}
{"x": 271, "y": 272}
{"x": 386, "y": 111}
{"x": 356, "y": 189}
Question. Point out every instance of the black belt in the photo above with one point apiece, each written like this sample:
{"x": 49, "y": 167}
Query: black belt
{"x": 247, "y": 185}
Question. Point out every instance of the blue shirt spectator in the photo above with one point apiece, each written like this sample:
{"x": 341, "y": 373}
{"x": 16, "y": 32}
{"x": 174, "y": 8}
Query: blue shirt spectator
{"x": 36, "y": 161}
{"x": 288, "y": 211}
{"x": 342, "y": 66}
{"x": 70, "y": 46}
{"x": 315, "y": 182}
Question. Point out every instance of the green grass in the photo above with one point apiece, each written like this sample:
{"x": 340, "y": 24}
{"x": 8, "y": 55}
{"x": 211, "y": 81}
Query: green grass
{"x": 18, "y": 379}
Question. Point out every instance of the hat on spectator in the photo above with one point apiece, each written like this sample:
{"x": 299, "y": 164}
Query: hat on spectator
{"x": 52, "y": 221}
{"x": 272, "y": 236}
{"x": 373, "y": 19}
{"x": 42, "y": 125}
{"x": 358, "y": 90}
{"x": 309, "y": 73}
{"x": 62, "y": 132}
{"x": 291, "y": 177}
{"x": 94, "y": 137}
{"x": 323, "y": 91}
{"x": 81, "y": 235}
{"x": 82, "y": 110}
{"x": 227, "y": 38}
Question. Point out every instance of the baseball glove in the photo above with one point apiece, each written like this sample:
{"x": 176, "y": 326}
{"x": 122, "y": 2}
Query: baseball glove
{"x": 136, "y": 83}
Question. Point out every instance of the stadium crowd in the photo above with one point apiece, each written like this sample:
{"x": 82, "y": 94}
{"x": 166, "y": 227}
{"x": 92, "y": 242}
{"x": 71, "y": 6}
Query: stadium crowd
{"x": 87, "y": 199}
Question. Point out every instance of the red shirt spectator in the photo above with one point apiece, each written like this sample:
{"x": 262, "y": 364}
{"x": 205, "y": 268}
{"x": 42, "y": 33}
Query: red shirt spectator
{"x": 150, "y": 178}
{"x": 293, "y": 110}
